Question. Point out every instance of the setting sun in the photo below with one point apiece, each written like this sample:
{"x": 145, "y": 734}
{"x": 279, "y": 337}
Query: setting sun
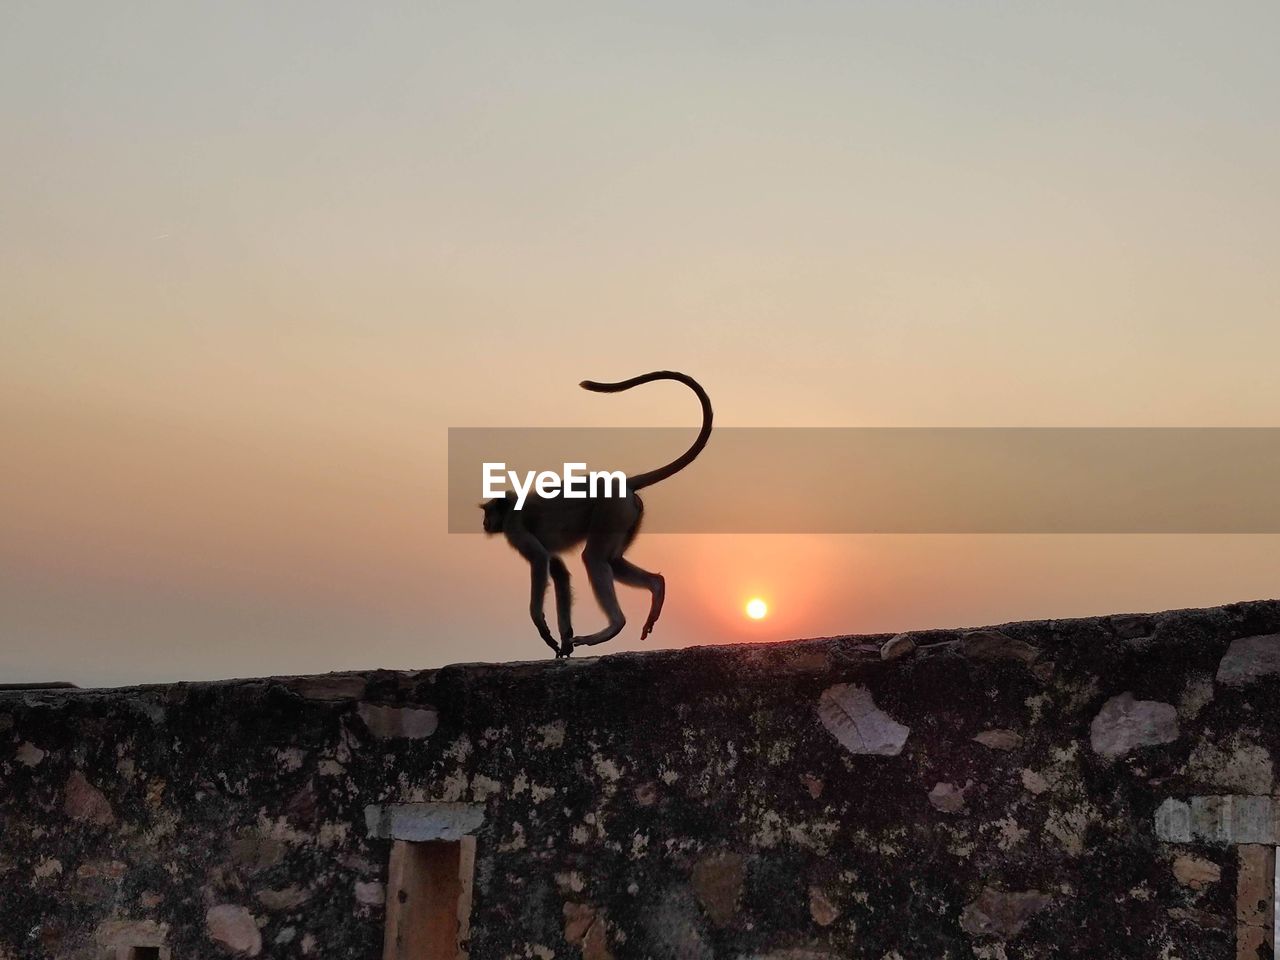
{"x": 757, "y": 608}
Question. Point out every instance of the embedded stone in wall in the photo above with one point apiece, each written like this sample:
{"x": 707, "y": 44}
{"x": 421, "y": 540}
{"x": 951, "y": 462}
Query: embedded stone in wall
{"x": 1131, "y": 626}
{"x": 552, "y": 735}
{"x": 802, "y": 662}
{"x": 1228, "y": 819}
{"x": 586, "y": 926}
{"x": 813, "y": 784}
{"x": 1173, "y": 821}
{"x": 852, "y": 717}
{"x": 1197, "y": 694}
{"x": 84, "y": 801}
{"x": 947, "y": 797}
{"x": 423, "y": 821}
{"x": 29, "y": 755}
{"x": 330, "y": 686}
{"x": 1211, "y": 819}
{"x": 1002, "y": 913}
{"x": 898, "y": 646}
{"x": 1249, "y": 659}
{"x": 578, "y": 918}
{"x": 255, "y": 851}
{"x": 1124, "y": 724}
{"x": 1252, "y": 820}
{"x": 285, "y": 898}
{"x": 1240, "y": 765}
{"x": 46, "y": 868}
{"x": 411, "y": 723}
{"x": 1195, "y": 872}
{"x": 994, "y": 645}
{"x": 823, "y": 911}
{"x": 999, "y": 739}
{"x": 235, "y": 928}
{"x": 717, "y": 883}
{"x": 1034, "y": 782}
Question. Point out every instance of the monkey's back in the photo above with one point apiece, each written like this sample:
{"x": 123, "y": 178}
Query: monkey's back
{"x": 560, "y": 524}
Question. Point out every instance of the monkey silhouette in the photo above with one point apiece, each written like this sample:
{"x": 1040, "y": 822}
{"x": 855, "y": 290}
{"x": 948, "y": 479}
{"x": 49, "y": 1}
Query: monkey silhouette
{"x": 606, "y": 526}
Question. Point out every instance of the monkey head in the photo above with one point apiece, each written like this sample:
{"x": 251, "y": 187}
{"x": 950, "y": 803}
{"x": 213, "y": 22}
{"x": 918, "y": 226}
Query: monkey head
{"x": 495, "y": 514}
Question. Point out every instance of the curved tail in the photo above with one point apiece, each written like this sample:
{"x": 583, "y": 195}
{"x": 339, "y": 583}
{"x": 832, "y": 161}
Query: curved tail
{"x": 641, "y": 480}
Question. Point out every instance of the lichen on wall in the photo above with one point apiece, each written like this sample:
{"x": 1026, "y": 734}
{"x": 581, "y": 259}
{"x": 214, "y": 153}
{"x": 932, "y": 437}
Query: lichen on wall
{"x": 1075, "y": 789}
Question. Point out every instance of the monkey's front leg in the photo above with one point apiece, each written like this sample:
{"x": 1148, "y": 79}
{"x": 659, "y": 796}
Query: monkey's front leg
{"x": 564, "y": 604}
{"x": 538, "y": 565}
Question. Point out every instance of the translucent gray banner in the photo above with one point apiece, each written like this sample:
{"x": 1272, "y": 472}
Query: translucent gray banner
{"x": 909, "y": 480}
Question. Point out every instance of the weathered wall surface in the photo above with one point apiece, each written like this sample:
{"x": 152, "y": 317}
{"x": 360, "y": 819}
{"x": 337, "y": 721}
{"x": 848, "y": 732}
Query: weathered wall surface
{"x": 1073, "y": 789}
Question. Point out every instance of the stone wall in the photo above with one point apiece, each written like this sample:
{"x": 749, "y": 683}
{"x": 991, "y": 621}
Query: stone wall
{"x": 1073, "y": 789}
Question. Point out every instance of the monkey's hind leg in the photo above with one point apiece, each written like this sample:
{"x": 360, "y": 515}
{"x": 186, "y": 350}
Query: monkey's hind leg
{"x": 633, "y": 576}
{"x": 564, "y": 604}
{"x": 600, "y": 572}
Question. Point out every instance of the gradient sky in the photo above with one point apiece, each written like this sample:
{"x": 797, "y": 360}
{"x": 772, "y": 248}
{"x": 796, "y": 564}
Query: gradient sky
{"x": 255, "y": 259}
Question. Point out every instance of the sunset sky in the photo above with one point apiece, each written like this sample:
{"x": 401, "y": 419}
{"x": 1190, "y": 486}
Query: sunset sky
{"x": 256, "y": 259}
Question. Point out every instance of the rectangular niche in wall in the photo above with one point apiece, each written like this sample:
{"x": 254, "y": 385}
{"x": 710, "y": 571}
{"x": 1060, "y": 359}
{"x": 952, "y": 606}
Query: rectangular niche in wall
{"x": 144, "y": 953}
{"x": 433, "y": 859}
{"x": 429, "y": 899}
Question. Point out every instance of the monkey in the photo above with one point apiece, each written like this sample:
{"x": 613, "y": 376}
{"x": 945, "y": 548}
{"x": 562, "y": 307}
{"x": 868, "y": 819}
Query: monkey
{"x": 606, "y": 526}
